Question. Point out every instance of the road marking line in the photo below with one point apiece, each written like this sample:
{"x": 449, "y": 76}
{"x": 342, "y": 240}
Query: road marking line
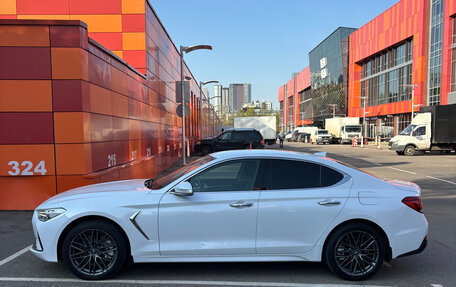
{"x": 398, "y": 169}
{"x": 444, "y": 180}
{"x": 17, "y": 254}
{"x": 436, "y": 285}
{"x": 386, "y": 264}
{"x": 177, "y": 282}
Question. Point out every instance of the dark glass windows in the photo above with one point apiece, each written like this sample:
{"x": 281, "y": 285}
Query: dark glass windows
{"x": 383, "y": 76}
{"x": 236, "y": 175}
{"x": 292, "y": 174}
{"x": 435, "y": 49}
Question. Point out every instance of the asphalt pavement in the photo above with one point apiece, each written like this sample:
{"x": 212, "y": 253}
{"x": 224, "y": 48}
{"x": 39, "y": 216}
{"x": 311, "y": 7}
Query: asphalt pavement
{"x": 435, "y": 173}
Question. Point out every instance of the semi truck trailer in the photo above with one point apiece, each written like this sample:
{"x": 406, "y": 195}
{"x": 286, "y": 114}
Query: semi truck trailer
{"x": 433, "y": 128}
{"x": 265, "y": 125}
{"x": 344, "y": 129}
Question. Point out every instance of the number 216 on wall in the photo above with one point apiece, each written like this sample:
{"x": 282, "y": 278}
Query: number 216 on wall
{"x": 25, "y": 168}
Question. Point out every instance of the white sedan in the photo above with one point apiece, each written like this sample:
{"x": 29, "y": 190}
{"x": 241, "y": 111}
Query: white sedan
{"x": 249, "y": 205}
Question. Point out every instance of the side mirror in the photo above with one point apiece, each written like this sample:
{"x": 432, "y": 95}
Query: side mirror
{"x": 183, "y": 189}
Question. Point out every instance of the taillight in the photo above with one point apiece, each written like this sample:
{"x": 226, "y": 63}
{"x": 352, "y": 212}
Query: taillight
{"x": 413, "y": 202}
{"x": 261, "y": 142}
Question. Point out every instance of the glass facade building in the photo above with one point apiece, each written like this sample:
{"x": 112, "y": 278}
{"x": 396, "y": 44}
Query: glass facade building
{"x": 328, "y": 64}
{"x": 435, "y": 51}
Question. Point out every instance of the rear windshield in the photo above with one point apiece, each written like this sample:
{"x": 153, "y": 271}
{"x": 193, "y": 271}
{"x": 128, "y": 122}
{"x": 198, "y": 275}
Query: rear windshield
{"x": 167, "y": 179}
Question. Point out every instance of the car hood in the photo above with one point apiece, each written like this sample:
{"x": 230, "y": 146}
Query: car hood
{"x": 99, "y": 190}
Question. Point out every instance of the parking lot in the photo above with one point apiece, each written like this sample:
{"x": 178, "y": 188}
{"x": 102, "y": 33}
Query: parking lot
{"x": 435, "y": 173}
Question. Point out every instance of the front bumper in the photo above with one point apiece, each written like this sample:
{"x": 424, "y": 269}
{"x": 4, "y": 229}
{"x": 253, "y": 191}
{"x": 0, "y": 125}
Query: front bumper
{"x": 396, "y": 147}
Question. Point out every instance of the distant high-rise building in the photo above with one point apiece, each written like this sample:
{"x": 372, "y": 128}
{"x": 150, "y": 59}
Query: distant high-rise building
{"x": 266, "y": 105}
{"x": 218, "y": 99}
{"x": 226, "y": 101}
{"x": 236, "y": 94}
{"x": 247, "y": 93}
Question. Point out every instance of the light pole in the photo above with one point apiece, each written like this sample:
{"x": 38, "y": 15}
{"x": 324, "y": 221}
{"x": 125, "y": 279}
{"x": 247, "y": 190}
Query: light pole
{"x": 334, "y": 109}
{"x": 413, "y": 97}
{"x": 213, "y": 120}
{"x": 201, "y": 101}
{"x": 184, "y": 49}
{"x": 364, "y": 117}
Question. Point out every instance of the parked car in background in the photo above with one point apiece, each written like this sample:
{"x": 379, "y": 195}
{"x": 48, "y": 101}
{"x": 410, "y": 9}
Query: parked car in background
{"x": 244, "y": 206}
{"x": 295, "y": 136}
{"x": 304, "y": 137}
{"x": 321, "y": 136}
{"x": 231, "y": 139}
{"x": 288, "y": 136}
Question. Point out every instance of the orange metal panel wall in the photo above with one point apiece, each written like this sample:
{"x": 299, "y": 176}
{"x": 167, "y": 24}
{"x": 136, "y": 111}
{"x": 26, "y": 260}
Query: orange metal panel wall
{"x": 403, "y": 20}
{"x": 119, "y": 25}
{"x": 91, "y": 118}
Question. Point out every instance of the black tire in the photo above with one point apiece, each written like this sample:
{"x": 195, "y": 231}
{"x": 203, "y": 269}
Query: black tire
{"x": 400, "y": 152}
{"x": 205, "y": 149}
{"x": 92, "y": 240}
{"x": 247, "y": 146}
{"x": 409, "y": 150}
{"x": 344, "y": 252}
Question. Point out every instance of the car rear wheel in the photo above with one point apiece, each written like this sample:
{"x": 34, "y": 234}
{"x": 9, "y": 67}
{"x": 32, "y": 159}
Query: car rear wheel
{"x": 206, "y": 150}
{"x": 94, "y": 250}
{"x": 355, "y": 252}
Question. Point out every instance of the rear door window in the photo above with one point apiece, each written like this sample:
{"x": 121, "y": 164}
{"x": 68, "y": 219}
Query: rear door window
{"x": 293, "y": 174}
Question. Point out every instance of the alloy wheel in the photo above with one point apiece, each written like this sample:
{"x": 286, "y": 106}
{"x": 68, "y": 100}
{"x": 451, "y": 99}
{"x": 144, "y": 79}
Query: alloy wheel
{"x": 93, "y": 252}
{"x": 356, "y": 253}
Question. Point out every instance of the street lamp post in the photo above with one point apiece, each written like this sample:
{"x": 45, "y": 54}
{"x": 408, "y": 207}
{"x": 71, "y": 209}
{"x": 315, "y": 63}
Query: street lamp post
{"x": 201, "y": 101}
{"x": 184, "y": 49}
{"x": 413, "y": 97}
{"x": 213, "y": 120}
{"x": 334, "y": 109}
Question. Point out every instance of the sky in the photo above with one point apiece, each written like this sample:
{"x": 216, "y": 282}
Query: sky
{"x": 261, "y": 42}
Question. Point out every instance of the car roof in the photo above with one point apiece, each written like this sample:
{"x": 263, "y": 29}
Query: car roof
{"x": 260, "y": 153}
{"x": 240, "y": 130}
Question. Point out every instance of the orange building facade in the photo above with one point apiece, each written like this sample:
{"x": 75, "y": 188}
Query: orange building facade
{"x": 293, "y": 107}
{"x": 79, "y": 107}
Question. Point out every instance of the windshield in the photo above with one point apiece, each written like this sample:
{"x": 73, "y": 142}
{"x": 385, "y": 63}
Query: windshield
{"x": 323, "y": 132}
{"x": 408, "y": 130}
{"x": 167, "y": 179}
{"x": 352, "y": 129}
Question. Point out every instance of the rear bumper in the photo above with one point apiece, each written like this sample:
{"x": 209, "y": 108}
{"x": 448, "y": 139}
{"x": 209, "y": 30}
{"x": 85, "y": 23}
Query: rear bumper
{"x": 417, "y": 251}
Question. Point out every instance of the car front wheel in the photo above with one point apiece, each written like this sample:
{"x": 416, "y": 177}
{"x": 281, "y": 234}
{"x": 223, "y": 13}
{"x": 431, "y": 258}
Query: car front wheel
{"x": 94, "y": 250}
{"x": 206, "y": 150}
{"x": 355, "y": 252}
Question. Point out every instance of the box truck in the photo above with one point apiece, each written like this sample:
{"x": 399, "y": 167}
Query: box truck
{"x": 265, "y": 125}
{"x": 343, "y": 129}
{"x": 433, "y": 128}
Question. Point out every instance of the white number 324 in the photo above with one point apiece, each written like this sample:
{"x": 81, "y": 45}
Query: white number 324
{"x": 28, "y": 165}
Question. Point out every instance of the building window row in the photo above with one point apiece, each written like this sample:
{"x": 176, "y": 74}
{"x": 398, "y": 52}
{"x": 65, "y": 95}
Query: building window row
{"x": 389, "y": 59}
{"x": 290, "y": 111}
{"x": 387, "y": 87}
{"x": 281, "y": 113}
{"x": 435, "y": 52}
{"x": 305, "y": 104}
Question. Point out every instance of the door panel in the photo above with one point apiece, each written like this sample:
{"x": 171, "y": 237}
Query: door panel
{"x": 206, "y": 224}
{"x": 220, "y": 218}
{"x": 293, "y": 215}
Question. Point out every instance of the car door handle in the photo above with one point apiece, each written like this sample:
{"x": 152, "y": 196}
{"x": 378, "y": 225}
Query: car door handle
{"x": 329, "y": 202}
{"x": 241, "y": 204}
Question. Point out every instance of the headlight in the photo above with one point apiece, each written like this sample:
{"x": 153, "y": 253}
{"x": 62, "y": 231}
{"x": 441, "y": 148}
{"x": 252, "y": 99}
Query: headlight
{"x": 49, "y": 213}
{"x": 198, "y": 142}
